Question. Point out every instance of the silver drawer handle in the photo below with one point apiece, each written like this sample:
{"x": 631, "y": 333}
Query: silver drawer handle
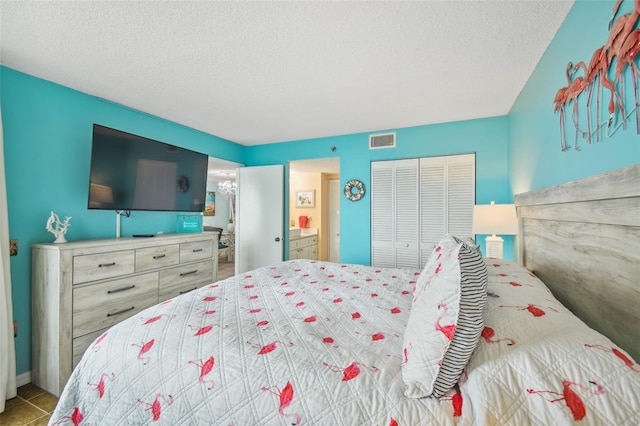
{"x": 160, "y": 256}
{"x": 184, "y": 274}
{"x": 121, "y": 312}
{"x": 196, "y": 250}
{"x": 121, "y": 289}
{"x": 104, "y": 265}
{"x": 187, "y": 291}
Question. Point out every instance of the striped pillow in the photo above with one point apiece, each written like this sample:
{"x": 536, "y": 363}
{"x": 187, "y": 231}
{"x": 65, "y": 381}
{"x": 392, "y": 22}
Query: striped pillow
{"x": 446, "y": 319}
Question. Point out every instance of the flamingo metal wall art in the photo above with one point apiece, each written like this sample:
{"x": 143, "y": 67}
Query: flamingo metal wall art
{"x": 618, "y": 55}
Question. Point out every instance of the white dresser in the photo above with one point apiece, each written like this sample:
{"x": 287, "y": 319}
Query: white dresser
{"x": 80, "y": 289}
{"x": 305, "y": 247}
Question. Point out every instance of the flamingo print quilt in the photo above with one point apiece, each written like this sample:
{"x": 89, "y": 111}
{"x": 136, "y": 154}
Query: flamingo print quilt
{"x": 318, "y": 343}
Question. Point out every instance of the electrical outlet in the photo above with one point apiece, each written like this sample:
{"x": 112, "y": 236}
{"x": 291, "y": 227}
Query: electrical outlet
{"x": 15, "y": 328}
{"x": 13, "y": 247}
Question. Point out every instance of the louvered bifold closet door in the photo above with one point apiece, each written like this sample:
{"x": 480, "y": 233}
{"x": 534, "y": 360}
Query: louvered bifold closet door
{"x": 433, "y": 193}
{"x": 447, "y": 197}
{"x": 382, "y": 239}
{"x": 406, "y": 213}
{"x": 415, "y": 202}
{"x": 461, "y": 195}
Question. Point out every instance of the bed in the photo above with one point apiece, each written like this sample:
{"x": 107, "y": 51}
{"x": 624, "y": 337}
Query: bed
{"x": 310, "y": 342}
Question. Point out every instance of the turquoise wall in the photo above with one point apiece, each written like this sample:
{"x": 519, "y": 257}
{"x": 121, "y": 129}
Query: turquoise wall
{"x": 486, "y": 137}
{"x": 535, "y": 158}
{"x": 47, "y": 147}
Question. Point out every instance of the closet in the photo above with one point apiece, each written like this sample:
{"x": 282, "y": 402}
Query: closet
{"x": 414, "y": 202}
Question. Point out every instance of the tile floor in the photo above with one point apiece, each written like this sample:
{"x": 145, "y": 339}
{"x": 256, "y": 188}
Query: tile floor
{"x": 226, "y": 269}
{"x": 32, "y": 407}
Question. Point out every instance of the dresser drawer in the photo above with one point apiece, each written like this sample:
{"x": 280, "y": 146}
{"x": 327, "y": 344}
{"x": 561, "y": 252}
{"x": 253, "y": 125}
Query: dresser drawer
{"x": 197, "y": 250}
{"x": 182, "y": 279}
{"x": 92, "y": 267}
{"x": 157, "y": 257}
{"x": 107, "y": 303}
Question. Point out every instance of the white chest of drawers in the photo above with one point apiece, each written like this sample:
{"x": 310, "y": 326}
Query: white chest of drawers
{"x": 80, "y": 289}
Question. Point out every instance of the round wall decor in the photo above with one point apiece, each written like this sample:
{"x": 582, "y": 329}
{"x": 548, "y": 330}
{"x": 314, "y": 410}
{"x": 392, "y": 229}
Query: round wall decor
{"x": 354, "y": 190}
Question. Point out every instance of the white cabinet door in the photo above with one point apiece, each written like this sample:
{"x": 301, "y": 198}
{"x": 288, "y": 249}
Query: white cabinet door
{"x": 259, "y": 217}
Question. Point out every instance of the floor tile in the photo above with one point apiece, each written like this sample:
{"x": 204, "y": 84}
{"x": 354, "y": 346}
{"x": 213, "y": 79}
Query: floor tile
{"x": 42, "y": 421}
{"x": 225, "y": 269}
{"x": 20, "y": 414}
{"x": 11, "y": 402}
{"x": 29, "y": 391}
{"x": 46, "y": 402}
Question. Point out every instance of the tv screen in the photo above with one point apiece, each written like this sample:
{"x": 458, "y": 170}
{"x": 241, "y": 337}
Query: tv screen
{"x": 130, "y": 172}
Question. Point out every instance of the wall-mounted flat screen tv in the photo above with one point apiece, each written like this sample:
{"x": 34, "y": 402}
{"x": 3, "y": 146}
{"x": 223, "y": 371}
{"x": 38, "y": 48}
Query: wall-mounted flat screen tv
{"x": 130, "y": 172}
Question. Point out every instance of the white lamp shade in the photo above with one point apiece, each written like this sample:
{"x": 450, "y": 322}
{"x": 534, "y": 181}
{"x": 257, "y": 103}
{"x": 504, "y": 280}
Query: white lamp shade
{"x": 495, "y": 219}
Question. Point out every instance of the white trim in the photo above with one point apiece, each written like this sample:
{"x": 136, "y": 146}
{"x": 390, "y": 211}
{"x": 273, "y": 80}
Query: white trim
{"x": 23, "y": 379}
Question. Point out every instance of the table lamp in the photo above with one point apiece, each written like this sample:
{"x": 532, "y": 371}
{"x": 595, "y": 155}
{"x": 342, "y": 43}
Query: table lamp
{"x": 495, "y": 219}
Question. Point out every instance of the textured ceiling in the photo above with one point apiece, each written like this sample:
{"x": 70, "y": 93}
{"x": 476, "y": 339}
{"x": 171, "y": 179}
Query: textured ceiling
{"x": 261, "y": 72}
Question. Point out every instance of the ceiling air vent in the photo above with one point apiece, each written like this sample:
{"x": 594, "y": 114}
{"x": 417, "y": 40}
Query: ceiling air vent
{"x": 383, "y": 140}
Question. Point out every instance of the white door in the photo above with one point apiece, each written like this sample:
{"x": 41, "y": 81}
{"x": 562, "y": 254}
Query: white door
{"x": 334, "y": 220}
{"x": 447, "y": 194}
{"x": 394, "y": 213}
{"x": 406, "y": 213}
{"x": 433, "y": 206}
{"x": 415, "y": 202}
{"x": 259, "y": 217}
{"x": 382, "y": 238}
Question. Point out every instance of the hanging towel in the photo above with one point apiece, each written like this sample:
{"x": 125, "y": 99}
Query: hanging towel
{"x": 302, "y": 220}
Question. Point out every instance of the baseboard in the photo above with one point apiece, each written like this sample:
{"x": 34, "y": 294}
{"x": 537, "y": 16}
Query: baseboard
{"x": 23, "y": 379}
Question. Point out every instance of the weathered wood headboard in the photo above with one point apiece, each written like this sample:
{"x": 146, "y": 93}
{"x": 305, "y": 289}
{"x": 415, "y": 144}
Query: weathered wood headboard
{"x": 582, "y": 238}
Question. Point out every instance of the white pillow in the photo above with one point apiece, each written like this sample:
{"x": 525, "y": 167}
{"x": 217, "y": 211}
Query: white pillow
{"x": 446, "y": 319}
{"x": 434, "y": 264}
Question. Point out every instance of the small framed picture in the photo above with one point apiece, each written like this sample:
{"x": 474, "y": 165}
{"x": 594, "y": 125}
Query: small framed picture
{"x": 210, "y": 204}
{"x": 306, "y": 198}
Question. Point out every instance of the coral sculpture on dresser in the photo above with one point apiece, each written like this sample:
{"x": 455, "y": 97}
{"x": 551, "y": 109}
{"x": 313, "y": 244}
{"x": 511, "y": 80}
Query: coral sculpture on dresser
{"x": 58, "y": 227}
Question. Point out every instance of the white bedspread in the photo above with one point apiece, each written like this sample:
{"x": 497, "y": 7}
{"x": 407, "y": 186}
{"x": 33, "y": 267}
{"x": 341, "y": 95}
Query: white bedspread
{"x": 308, "y": 342}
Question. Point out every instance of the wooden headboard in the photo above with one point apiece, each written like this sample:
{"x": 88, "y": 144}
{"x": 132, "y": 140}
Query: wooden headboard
{"x": 582, "y": 238}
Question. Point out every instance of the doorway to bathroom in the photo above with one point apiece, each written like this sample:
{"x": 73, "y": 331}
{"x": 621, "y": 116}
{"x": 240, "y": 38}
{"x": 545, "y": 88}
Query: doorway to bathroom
{"x": 314, "y": 209}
